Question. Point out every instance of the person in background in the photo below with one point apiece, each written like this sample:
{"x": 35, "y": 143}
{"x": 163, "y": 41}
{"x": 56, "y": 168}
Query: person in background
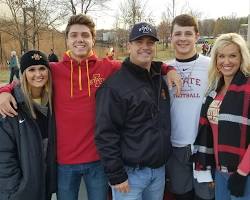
{"x": 13, "y": 66}
{"x": 76, "y": 79}
{"x": 111, "y": 53}
{"x": 185, "y": 110}
{"x": 52, "y": 56}
{"x": 27, "y": 141}
{"x": 223, "y": 140}
{"x": 133, "y": 121}
{"x": 205, "y": 48}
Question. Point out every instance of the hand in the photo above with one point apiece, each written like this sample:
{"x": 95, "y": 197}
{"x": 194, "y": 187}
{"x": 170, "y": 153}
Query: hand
{"x": 236, "y": 184}
{"x": 174, "y": 79}
{"x": 6, "y": 102}
{"x": 122, "y": 187}
{"x": 211, "y": 185}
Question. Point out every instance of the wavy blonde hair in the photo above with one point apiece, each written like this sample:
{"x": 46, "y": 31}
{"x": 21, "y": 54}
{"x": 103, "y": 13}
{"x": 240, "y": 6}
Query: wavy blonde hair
{"x": 46, "y": 97}
{"x": 222, "y": 41}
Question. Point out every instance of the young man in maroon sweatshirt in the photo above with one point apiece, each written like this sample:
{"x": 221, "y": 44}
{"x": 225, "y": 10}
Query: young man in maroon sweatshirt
{"x": 76, "y": 79}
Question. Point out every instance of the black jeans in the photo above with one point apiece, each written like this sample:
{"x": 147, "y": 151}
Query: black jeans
{"x": 14, "y": 71}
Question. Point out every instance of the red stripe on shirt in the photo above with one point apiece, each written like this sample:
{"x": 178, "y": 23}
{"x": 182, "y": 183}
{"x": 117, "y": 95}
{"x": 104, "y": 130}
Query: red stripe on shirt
{"x": 234, "y": 150}
{"x": 242, "y": 88}
{"x": 244, "y": 126}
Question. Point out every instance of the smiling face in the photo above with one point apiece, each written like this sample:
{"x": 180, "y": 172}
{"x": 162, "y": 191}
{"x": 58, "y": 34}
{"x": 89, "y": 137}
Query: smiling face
{"x": 37, "y": 77}
{"x": 142, "y": 51}
{"x": 183, "y": 40}
{"x": 228, "y": 61}
{"x": 80, "y": 41}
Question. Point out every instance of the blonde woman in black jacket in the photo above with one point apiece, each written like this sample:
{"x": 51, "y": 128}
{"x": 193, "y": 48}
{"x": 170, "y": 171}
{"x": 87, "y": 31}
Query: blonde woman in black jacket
{"x": 27, "y": 141}
{"x": 223, "y": 140}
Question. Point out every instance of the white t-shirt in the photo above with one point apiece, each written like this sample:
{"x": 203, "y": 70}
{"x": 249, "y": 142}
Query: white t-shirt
{"x": 185, "y": 109}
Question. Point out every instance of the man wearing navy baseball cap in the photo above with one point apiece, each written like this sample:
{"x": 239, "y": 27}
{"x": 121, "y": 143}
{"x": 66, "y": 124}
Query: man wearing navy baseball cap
{"x": 133, "y": 123}
{"x": 142, "y": 29}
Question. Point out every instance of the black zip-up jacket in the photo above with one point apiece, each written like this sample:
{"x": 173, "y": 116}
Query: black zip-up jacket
{"x": 24, "y": 174}
{"x": 133, "y": 120}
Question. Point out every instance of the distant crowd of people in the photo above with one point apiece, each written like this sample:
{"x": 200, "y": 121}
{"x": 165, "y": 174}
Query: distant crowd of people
{"x": 206, "y": 48}
{"x": 139, "y": 128}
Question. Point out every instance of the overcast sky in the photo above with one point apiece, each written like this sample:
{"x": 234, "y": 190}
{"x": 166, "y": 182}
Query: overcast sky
{"x": 208, "y": 8}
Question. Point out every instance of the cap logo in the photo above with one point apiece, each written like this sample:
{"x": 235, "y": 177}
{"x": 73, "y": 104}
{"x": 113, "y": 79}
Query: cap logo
{"x": 36, "y": 56}
{"x": 145, "y": 29}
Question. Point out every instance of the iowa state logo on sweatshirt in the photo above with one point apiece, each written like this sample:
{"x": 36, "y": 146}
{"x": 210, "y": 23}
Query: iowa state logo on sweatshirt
{"x": 96, "y": 80}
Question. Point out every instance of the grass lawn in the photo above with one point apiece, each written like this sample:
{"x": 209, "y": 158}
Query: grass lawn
{"x": 161, "y": 54}
{"x": 4, "y": 76}
{"x": 164, "y": 55}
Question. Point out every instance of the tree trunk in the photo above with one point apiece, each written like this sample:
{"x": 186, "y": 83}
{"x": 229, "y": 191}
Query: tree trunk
{"x": 25, "y": 34}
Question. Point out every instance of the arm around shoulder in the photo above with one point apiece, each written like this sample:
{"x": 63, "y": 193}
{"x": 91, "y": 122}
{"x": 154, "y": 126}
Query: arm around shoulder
{"x": 7, "y": 105}
{"x": 8, "y": 87}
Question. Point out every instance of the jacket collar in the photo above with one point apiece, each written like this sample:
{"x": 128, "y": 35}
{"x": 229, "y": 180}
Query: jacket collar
{"x": 155, "y": 69}
{"x": 67, "y": 58}
{"x": 238, "y": 79}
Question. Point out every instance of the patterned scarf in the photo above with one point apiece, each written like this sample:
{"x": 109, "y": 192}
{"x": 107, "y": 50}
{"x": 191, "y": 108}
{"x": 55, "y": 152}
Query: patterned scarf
{"x": 233, "y": 127}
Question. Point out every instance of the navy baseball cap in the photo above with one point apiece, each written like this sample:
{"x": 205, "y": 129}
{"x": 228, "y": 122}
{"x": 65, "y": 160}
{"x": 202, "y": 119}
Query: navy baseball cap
{"x": 142, "y": 29}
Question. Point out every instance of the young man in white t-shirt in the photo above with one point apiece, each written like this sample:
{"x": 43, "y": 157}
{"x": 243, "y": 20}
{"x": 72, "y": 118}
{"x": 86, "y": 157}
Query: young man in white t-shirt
{"x": 185, "y": 109}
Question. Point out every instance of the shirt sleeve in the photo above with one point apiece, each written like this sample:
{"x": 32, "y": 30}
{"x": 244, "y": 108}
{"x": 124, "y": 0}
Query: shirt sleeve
{"x": 244, "y": 165}
{"x": 8, "y": 88}
{"x": 116, "y": 64}
{"x": 166, "y": 68}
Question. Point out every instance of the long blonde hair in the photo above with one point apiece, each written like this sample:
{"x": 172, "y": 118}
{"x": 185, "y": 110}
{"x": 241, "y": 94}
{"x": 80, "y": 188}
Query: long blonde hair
{"x": 46, "y": 97}
{"x": 224, "y": 40}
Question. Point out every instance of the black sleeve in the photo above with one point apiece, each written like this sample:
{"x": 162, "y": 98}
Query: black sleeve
{"x": 110, "y": 117}
{"x": 56, "y": 58}
{"x": 9, "y": 167}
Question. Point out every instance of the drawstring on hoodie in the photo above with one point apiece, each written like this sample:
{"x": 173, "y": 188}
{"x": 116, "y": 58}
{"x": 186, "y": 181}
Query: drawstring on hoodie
{"x": 79, "y": 77}
{"x": 87, "y": 70}
{"x": 71, "y": 78}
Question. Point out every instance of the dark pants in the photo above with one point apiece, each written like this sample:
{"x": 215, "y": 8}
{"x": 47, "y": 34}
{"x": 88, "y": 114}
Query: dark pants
{"x": 14, "y": 71}
{"x": 180, "y": 174}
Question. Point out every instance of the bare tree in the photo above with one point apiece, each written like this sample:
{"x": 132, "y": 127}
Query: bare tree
{"x": 86, "y": 6}
{"x": 121, "y": 34}
{"x": 42, "y": 15}
{"x": 175, "y": 7}
{"x": 28, "y": 17}
{"x": 73, "y": 7}
{"x": 171, "y": 9}
{"x": 13, "y": 26}
{"x": 227, "y": 24}
{"x": 163, "y": 30}
{"x": 133, "y": 11}
{"x": 207, "y": 27}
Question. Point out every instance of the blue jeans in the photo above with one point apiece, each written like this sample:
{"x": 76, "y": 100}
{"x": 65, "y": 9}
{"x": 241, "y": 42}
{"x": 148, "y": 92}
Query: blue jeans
{"x": 221, "y": 191}
{"x": 145, "y": 184}
{"x": 69, "y": 179}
